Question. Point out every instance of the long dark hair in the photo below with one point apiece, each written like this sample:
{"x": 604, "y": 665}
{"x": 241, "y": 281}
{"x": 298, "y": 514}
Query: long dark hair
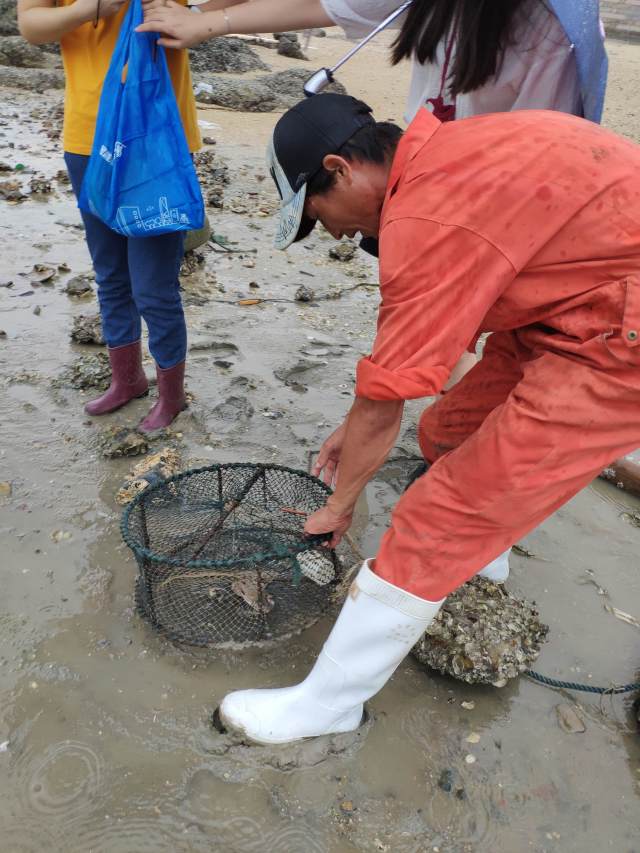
{"x": 483, "y": 29}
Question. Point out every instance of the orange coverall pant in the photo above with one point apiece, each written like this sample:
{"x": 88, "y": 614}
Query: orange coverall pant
{"x": 530, "y": 425}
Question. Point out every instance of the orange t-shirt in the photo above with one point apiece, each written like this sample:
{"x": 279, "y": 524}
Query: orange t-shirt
{"x": 86, "y": 54}
{"x": 524, "y": 221}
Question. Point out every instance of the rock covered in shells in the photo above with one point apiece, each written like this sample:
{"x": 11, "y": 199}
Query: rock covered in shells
{"x": 483, "y": 634}
{"x": 150, "y": 470}
{"x": 90, "y": 371}
{"x": 87, "y": 329}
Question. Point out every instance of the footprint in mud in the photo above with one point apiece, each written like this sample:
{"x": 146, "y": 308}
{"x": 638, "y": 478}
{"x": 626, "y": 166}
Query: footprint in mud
{"x": 292, "y": 375}
{"x": 232, "y": 411}
{"x": 290, "y": 756}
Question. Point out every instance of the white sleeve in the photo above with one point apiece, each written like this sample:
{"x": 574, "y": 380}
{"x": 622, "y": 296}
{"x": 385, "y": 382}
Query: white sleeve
{"x": 358, "y": 17}
{"x": 542, "y": 69}
{"x": 551, "y": 83}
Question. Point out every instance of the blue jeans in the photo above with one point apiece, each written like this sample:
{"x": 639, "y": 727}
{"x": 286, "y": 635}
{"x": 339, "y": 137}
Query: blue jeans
{"x": 137, "y": 277}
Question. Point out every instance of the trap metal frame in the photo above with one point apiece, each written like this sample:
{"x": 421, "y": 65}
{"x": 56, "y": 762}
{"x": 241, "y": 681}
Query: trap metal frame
{"x": 222, "y": 556}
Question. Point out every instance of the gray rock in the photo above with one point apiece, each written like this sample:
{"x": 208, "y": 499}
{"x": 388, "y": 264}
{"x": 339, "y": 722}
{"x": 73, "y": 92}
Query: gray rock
{"x": 87, "y": 329}
{"x": 79, "y": 285}
{"x": 121, "y": 441}
{"x": 225, "y": 54}
{"x": 8, "y": 18}
{"x": 89, "y": 371}
{"x": 31, "y": 79}
{"x": 289, "y": 45}
{"x": 18, "y": 53}
{"x": 305, "y": 294}
{"x": 263, "y": 94}
{"x": 342, "y": 252}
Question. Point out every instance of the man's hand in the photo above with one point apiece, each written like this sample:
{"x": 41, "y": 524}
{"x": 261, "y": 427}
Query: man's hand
{"x": 178, "y": 26}
{"x": 329, "y": 457}
{"x": 327, "y": 521}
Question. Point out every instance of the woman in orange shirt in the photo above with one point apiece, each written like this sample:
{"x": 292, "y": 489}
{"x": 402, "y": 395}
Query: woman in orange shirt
{"x": 137, "y": 277}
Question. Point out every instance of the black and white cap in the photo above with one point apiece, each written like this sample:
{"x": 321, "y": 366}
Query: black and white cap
{"x": 301, "y": 139}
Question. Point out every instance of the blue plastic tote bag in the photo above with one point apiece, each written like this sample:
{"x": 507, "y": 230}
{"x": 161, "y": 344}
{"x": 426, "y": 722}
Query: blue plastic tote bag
{"x": 140, "y": 180}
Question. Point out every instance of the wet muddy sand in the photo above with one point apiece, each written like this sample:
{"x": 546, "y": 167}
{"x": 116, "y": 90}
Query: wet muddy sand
{"x": 105, "y": 736}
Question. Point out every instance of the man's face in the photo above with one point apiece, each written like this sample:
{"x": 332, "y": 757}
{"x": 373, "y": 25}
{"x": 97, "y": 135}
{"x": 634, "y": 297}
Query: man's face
{"x": 354, "y": 202}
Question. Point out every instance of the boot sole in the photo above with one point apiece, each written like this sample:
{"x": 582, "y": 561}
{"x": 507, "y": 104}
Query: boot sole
{"x": 221, "y": 725}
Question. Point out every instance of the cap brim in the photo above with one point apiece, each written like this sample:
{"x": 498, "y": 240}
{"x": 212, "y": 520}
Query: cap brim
{"x": 293, "y": 225}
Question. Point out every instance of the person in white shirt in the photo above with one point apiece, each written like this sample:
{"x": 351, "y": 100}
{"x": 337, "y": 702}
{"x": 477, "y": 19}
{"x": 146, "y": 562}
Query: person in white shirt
{"x": 503, "y": 54}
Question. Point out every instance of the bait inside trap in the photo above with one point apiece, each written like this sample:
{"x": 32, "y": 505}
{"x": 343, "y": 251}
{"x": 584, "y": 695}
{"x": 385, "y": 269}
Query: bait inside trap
{"x": 223, "y": 558}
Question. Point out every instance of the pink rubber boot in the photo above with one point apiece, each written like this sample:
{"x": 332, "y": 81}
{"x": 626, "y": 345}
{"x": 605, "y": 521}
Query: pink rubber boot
{"x": 171, "y": 398}
{"x": 128, "y": 380}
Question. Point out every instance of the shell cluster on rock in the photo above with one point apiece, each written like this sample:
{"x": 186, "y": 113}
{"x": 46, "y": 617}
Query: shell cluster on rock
{"x": 482, "y": 635}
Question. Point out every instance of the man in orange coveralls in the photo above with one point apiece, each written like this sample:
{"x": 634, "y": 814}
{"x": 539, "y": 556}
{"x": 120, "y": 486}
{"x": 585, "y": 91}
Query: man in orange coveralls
{"x": 523, "y": 224}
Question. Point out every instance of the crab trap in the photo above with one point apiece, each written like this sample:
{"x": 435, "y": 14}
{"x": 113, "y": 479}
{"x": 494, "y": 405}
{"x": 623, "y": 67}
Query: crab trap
{"x": 223, "y": 558}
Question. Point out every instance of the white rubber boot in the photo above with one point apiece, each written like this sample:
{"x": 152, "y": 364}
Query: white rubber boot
{"x": 377, "y": 627}
{"x": 497, "y": 570}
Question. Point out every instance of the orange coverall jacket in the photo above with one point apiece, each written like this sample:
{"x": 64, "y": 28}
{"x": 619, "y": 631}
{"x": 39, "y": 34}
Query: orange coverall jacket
{"x": 527, "y": 225}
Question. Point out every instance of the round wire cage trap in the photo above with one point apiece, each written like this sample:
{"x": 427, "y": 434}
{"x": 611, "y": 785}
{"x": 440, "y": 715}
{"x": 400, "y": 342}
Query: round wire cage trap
{"x": 223, "y": 558}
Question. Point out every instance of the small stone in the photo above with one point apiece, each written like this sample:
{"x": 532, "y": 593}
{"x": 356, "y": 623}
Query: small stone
{"x": 347, "y": 806}
{"x": 445, "y": 780}
{"x": 37, "y": 310}
{"x": 468, "y": 706}
{"x": 474, "y": 737}
{"x": 60, "y": 536}
{"x": 342, "y": 252}
{"x": 116, "y": 442}
{"x": 79, "y": 285}
{"x": 305, "y": 294}
{"x": 5, "y": 490}
{"x": 568, "y": 720}
{"x": 87, "y": 329}
{"x": 288, "y": 45}
{"x": 470, "y": 759}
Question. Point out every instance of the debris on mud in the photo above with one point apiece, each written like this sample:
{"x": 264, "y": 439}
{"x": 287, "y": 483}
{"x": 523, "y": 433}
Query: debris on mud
{"x": 117, "y": 441}
{"x": 225, "y": 54}
{"x": 304, "y": 294}
{"x": 191, "y": 262}
{"x": 482, "y": 634}
{"x": 39, "y": 185}
{"x": 150, "y": 470}
{"x": 569, "y": 720}
{"x": 87, "y": 329}
{"x": 5, "y": 490}
{"x": 269, "y": 92}
{"x": 213, "y": 178}
{"x": 79, "y": 285}
{"x": 342, "y": 252}
{"x": 12, "y": 191}
{"x": 89, "y": 371}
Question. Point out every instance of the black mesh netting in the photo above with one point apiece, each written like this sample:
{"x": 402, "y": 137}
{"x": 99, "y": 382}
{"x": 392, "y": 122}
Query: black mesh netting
{"x": 222, "y": 555}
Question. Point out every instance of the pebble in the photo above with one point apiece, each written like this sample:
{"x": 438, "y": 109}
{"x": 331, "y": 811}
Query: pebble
{"x": 468, "y": 706}
{"x": 474, "y": 737}
{"x": 305, "y": 294}
{"x": 37, "y": 310}
{"x": 5, "y": 490}
{"x": 470, "y": 759}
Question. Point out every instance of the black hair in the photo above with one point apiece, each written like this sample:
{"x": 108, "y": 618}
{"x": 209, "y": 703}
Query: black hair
{"x": 373, "y": 143}
{"x": 482, "y": 30}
